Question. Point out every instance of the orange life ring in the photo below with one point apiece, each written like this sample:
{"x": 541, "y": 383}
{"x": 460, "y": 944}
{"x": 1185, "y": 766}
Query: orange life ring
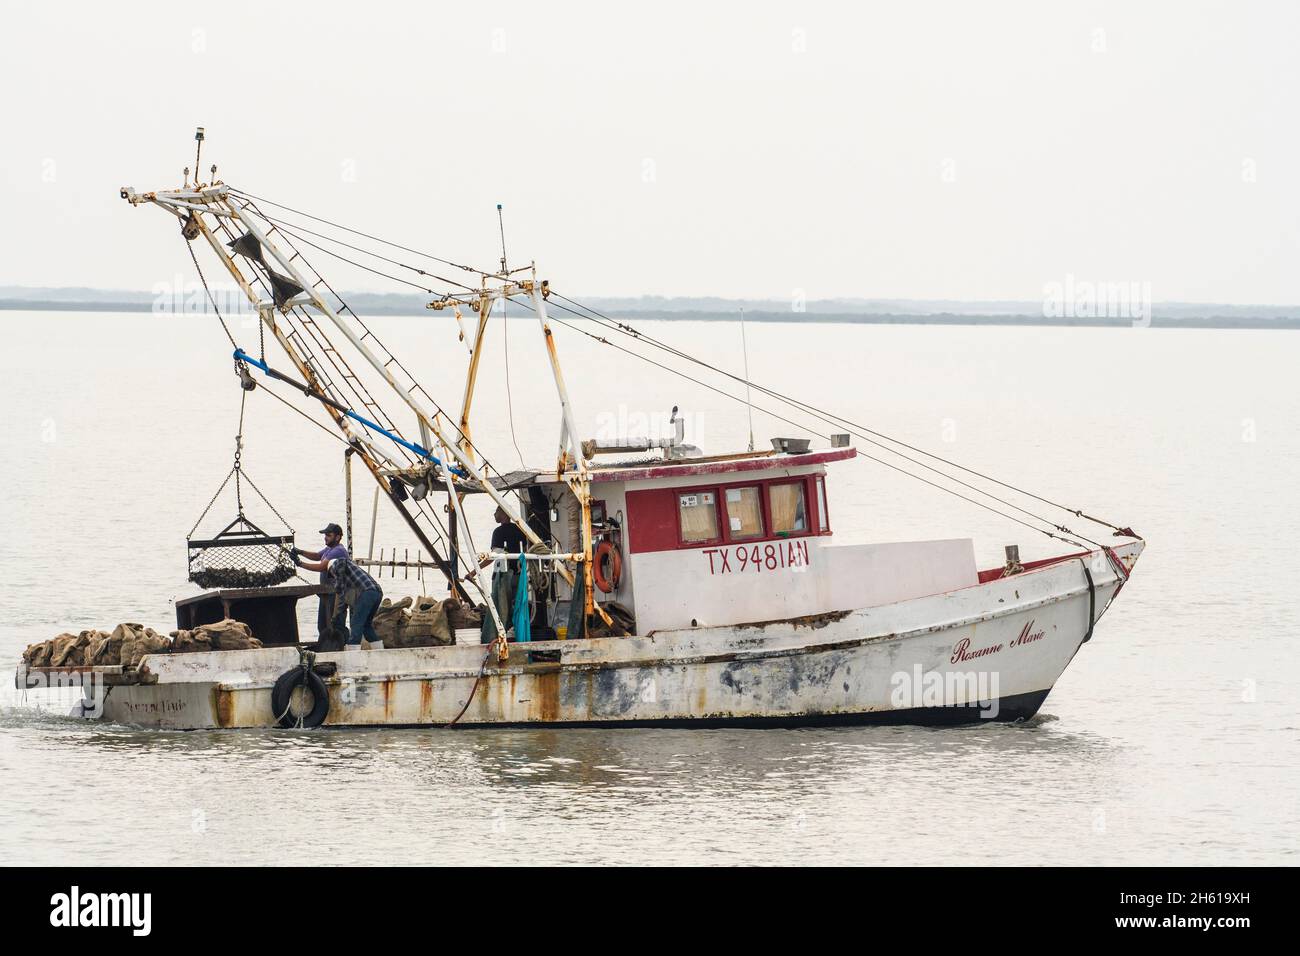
{"x": 606, "y": 549}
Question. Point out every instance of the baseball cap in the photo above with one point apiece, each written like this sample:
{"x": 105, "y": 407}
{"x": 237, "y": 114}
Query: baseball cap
{"x": 331, "y": 528}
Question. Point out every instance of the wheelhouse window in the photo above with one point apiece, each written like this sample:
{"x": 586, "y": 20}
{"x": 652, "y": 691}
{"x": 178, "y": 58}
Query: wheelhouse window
{"x": 698, "y": 513}
{"x": 789, "y": 512}
{"x": 744, "y": 512}
{"x": 823, "y": 525}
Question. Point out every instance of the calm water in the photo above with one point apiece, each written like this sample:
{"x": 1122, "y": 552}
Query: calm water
{"x": 1173, "y": 737}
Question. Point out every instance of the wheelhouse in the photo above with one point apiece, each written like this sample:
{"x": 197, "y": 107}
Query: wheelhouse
{"x": 724, "y": 540}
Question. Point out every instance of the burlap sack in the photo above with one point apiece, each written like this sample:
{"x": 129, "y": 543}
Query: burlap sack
{"x": 427, "y": 624}
{"x": 461, "y": 615}
{"x": 189, "y": 642}
{"x": 69, "y": 650}
{"x": 391, "y": 620}
{"x": 229, "y": 635}
{"x": 141, "y": 642}
{"x": 224, "y": 635}
{"x": 92, "y": 638}
{"x": 38, "y": 655}
{"x": 106, "y": 649}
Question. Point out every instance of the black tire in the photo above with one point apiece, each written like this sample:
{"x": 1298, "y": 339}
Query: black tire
{"x": 282, "y": 694}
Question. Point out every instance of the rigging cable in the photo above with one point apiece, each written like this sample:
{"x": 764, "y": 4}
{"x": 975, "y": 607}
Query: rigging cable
{"x": 880, "y": 461}
{"x": 286, "y": 225}
{"x": 367, "y": 400}
{"x": 348, "y": 308}
{"x": 767, "y": 411}
{"x": 217, "y": 312}
{"x": 294, "y": 408}
{"x": 307, "y": 242}
{"x": 442, "y": 531}
{"x": 829, "y": 417}
{"x": 601, "y": 319}
{"x": 313, "y": 361}
{"x": 358, "y": 232}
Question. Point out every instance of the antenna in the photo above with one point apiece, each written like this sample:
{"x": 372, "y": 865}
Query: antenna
{"x": 502, "y": 226}
{"x": 198, "y": 151}
{"x": 744, "y": 348}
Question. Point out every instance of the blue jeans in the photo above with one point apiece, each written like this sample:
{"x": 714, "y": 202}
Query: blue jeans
{"x": 363, "y": 616}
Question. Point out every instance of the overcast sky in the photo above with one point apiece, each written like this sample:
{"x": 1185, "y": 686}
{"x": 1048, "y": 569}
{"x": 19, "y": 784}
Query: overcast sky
{"x": 926, "y": 150}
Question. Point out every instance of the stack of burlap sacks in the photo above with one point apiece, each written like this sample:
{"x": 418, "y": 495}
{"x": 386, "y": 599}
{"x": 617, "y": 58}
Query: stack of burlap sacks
{"x": 422, "y": 621}
{"x": 126, "y": 644}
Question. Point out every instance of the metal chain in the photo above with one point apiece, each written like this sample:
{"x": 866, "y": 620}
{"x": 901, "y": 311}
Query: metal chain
{"x": 268, "y": 503}
{"x": 211, "y": 503}
{"x": 239, "y": 450}
{"x": 240, "y": 370}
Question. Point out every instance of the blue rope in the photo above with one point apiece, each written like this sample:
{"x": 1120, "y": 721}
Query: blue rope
{"x": 242, "y": 356}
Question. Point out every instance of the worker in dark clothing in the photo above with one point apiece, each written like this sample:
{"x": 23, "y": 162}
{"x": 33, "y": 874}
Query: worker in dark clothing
{"x": 509, "y": 538}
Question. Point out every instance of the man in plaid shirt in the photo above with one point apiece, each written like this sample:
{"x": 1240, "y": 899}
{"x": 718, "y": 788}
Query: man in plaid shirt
{"x": 359, "y": 591}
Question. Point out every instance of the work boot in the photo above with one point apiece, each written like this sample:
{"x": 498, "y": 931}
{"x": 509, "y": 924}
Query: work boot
{"x": 372, "y": 645}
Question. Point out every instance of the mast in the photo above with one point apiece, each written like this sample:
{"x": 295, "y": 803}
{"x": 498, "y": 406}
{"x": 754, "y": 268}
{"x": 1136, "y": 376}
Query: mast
{"x": 570, "y": 464}
{"x": 744, "y": 348}
{"x": 485, "y": 303}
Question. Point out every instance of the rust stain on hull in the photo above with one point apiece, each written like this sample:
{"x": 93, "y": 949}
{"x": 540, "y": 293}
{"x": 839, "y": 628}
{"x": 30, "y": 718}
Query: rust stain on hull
{"x": 807, "y": 620}
{"x": 223, "y": 707}
{"x": 426, "y": 700}
{"x": 546, "y": 704}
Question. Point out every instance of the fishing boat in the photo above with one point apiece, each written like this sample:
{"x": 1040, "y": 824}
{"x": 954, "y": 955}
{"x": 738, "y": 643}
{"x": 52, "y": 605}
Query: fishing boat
{"x": 660, "y": 585}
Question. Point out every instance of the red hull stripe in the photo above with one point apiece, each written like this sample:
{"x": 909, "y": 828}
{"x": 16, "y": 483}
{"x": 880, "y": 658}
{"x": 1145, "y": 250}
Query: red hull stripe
{"x": 993, "y": 574}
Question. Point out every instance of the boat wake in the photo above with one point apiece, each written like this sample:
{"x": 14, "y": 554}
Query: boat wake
{"x": 1038, "y": 720}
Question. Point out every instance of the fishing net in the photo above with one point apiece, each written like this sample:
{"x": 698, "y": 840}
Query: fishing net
{"x": 241, "y": 555}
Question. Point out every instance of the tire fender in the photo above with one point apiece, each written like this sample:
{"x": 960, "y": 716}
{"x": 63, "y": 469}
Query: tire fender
{"x": 282, "y": 693}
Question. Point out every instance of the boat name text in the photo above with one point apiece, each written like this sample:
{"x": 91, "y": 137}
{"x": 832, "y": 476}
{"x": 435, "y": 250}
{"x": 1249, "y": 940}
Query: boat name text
{"x": 772, "y": 556}
{"x": 961, "y": 651}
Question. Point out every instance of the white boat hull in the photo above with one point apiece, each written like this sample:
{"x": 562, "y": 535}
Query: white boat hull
{"x": 987, "y": 652}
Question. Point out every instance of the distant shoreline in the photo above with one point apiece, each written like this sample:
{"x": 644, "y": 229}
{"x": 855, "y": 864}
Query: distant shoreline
{"x": 864, "y": 318}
